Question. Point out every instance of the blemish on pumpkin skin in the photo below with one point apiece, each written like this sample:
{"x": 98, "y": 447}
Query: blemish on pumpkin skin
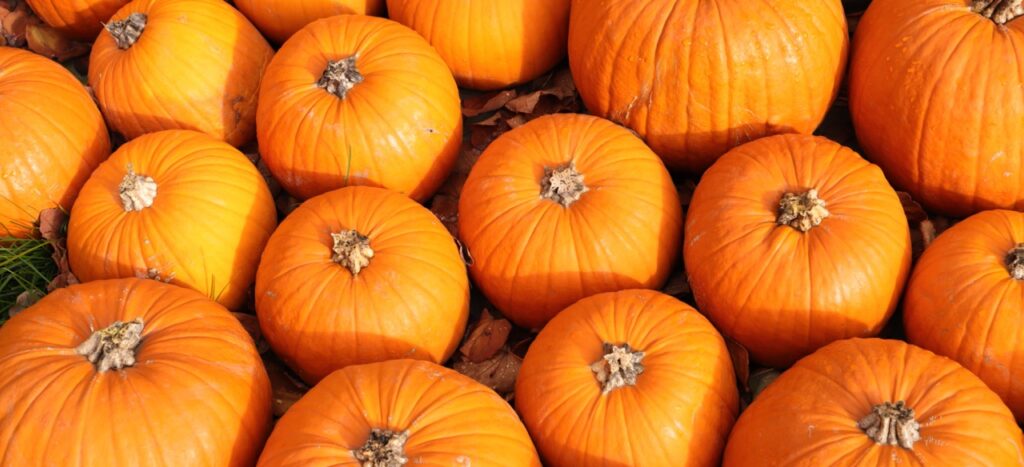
{"x": 234, "y": 106}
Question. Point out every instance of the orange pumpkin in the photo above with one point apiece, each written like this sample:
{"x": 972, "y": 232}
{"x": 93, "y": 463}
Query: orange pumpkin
{"x": 490, "y": 44}
{"x": 179, "y": 64}
{"x": 793, "y": 242}
{"x": 397, "y": 412}
{"x": 130, "y": 372}
{"x": 875, "y": 402}
{"x": 177, "y": 206}
{"x": 965, "y": 300}
{"x": 360, "y": 275}
{"x": 937, "y": 100}
{"x": 53, "y": 137}
{"x": 628, "y": 378}
{"x": 358, "y": 100}
{"x": 564, "y": 207}
{"x": 77, "y": 19}
{"x": 279, "y": 19}
{"x": 696, "y": 78}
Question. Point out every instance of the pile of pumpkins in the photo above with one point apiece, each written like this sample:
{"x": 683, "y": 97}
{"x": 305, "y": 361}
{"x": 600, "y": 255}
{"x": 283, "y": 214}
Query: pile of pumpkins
{"x": 795, "y": 246}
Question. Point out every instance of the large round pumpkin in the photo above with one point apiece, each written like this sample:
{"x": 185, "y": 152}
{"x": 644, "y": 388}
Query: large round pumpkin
{"x": 52, "y": 137}
{"x": 358, "y": 100}
{"x": 130, "y": 372}
{"x": 490, "y": 44}
{"x": 565, "y": 207}
{"x": 698, "y": 77}
{"x": 78, "y": 19}
{"x": 879, "y": 403}
{"x": 628, "y": 378}
{"x": 279, "y": 19}
{"x": 965, "y": 300}
{"x": 793, "y": 242}
{"x": 360, "y": 275}
{"x": 397, "y": 412}
{"x": 177, "y": 206}
{"x": 179, "y": 64}
{"x": 937, "y": 99}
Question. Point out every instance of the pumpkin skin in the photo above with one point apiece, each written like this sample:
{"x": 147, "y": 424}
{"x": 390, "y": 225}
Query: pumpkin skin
{"x": 40, "y": 99}
{"x": 534, "y": 256}
{"x": 400, "y": 127}
{"x": 780, "y": 292}
{"x": 678, "y": 413}
{"x": 937, "y": 101}
{"x": 809, "y": 415}
{"x": 409, "y": 300}
{"x": 77, "y": 19}
{"x": 196, "y": 395}
{"x": 210, "y": 218}
{"x": 279, "y": 19}
{"x": 490, "y": 44}
{"x": 451, "y": 419}
{"x": 712, "y": 74}
{"x": 143, "y": 89}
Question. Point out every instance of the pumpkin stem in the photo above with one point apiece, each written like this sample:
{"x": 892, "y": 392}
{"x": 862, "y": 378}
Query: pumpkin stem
{"x": 340, "y": 76}
{"x": 1015, "y": 262}
{"x": 384, "y": 448}
{"x": 802, "y": 212}
{"x": 112, "y": 347}
{"x": 619, "y": 366}
{"x": 563, "y": 184}
{"x": 352, "y": 250}
{"x": 137, "y": 191}
{"x": 127, "y": 31}
{"x": 892, "y": 424}
{"x": 999, "y": 11}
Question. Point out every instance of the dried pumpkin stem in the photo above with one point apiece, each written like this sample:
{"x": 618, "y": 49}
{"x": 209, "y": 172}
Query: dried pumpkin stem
{"x": 999, "y": 11}
{"x": 563, "y": 184}
{"x": 351, "y": 250}
{"x": 340, "y": 76}
{"x": 384, "y": 448}
{"x": 113, "y": 347}
{"x": 127, "y": 31}
{"x": 618, "y": 367}
{"x": 137, "y": 192}
{"x": 802, "y": 212}
{"x": 1015, "y": 262}
{"x": 892, "y": 424}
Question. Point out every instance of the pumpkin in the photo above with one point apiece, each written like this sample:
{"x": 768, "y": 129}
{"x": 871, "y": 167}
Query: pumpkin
{"x": 937, "y": 100}
{"x": 964, "y": 300}
{"x": 696, "y": 78}
{"x": 875, "y": 402}
{"x": 358, "y": 100}
{"x": 53, "y": 137}
{"x": 564, "y": 207}
{"x": 130, "y": 372}
{"x": 634, "y": 377}
{"x": 77, "y": 19}
{"x": 279, "y": 19}
{"x": 176, "y": 206}
{"x": 360, "y": 275}
{"x": 490, "y": 44}
{"x": 179, "y": 64}
{"x": 793, "y": 242}
{"x": 397, "y": 412}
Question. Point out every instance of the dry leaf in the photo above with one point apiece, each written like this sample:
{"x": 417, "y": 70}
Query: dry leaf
{"x": 47, "y": 42}
{"x": 480, "y": 104}
{"x": 914, "y": 212}
{"x": 51, "y": 224}
{"x": 24, "y": 300}
{"x": 286, "y": 388}
{"x": 14, "y": 24}
{"x": 487, "y": 337}
{"x": 740, "y": 361}
{"x": 446, "y": 208}
{"x": 498, "y": 373}
{"x": 677, "y": 285}
{"x": 760, "y": 380}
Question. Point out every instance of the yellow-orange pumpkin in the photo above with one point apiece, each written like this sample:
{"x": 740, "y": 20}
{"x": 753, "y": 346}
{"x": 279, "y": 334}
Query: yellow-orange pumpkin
{"x": 78, "y": 19}
{"x": 279, "y": 19}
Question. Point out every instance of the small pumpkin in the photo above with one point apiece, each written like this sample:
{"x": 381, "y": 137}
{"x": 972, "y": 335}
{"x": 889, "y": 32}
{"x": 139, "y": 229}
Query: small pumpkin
{"x": 279, "y": 19}
{"x": 696, "y": 78}
{"x": 359, "y": 275}
{"x": 397, "y": 412}
{"x": 177, "y": 206}
{"x": 793, "y": 242}
{"x": 634, "y": 377}
{"x": 875, "y": 402}
{"x": 53, "y": 137}
{"x": 491, "y": 44}
{"x": 179, "y": 64}
{"x": 77, "y": 19}
{"x": 130, "y": 372}
{"x": 564, "y": 207}
{"x": 358, "y": 100}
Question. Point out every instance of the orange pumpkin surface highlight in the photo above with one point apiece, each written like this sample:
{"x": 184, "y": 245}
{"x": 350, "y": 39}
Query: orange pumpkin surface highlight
{"x": 130, "y": 372}
{"x": 875, "y": 402}
{"x": 77, "y": 19}
{"x": 179, "y": 64}
{"x": 564, "y": 207}
{"x": 357, "y": 100}
{"x": 176, "y": 206}
{"x": 279, "y": 19}
{"x": 490, "y": 44}
{"x": 382, "y": 414}
{"x": 360, "y": 275}
{"x": 793, "y": 242}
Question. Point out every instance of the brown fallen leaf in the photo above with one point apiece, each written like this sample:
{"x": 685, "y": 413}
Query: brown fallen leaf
{"x": 14, "y": 24}
{"x": 52, "y": 224}
{"x": 285, "y": 387}
{"x": 480, "y": 104}
{"x": 678, "y": 285}
{"x": 24, "y": 300}
{"x": 498, "y": 373}
{"x": 914, "y": 212}
{"x": 47, "y": 42}
{"x": 446, "y": 208}
{"x": 486, "y": 338}
{"x": 740, "y": 362}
